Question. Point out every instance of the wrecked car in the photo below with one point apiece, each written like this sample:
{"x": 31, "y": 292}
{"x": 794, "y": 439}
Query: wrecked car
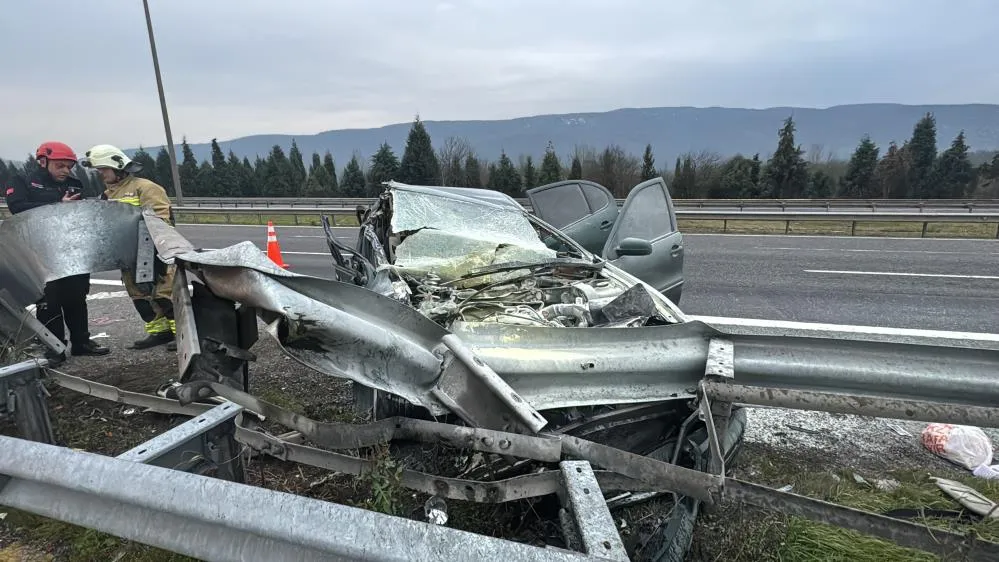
{"x": 461, "y": 256}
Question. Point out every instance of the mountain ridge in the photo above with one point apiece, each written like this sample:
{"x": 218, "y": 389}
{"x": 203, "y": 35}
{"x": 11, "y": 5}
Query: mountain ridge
{"x": 670, "y": 130}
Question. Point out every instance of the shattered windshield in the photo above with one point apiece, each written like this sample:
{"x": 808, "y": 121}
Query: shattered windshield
{"x": 450, "y": 236}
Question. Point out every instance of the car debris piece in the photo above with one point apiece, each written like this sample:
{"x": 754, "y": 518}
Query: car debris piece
{"x": 968, "y": 497}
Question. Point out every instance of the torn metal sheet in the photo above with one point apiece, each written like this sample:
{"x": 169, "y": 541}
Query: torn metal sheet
{"x": 63, "y": 239}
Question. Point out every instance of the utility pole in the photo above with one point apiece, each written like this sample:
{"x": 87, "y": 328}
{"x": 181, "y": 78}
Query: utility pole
{"x": 166, "y": 118}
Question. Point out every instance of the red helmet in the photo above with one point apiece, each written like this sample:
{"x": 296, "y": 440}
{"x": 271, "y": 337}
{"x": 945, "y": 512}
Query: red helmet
{"x": 55, "y": 151}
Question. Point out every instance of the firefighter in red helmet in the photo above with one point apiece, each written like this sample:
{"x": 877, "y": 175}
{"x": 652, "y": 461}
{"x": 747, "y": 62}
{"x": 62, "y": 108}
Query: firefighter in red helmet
{"x": 64, "y": 300}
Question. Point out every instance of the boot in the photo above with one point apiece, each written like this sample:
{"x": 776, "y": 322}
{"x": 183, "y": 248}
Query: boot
{"x": 55, "y": 359}
{"x": 172, "y": 346}
{"x": 153, "y": 340}
{"x": 90, "y": 347}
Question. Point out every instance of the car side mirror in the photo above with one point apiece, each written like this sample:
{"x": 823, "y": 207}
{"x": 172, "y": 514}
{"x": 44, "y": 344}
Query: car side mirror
{"x": 633, "y": 247}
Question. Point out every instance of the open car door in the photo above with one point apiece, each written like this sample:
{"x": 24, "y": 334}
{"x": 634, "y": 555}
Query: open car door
{"x": 645, "y": 240}
{"x": 585, "y": 211}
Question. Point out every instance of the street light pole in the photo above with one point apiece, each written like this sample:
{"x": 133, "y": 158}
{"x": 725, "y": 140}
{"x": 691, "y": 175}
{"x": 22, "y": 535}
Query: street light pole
{"x": 166, "y": 118}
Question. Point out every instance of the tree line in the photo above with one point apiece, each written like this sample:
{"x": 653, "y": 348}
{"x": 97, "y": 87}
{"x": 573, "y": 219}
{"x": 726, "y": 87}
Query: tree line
{"x": 913, "y": 170}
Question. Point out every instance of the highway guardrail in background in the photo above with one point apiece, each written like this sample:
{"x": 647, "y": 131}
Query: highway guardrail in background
{"x": 261, "y": 216}
{"x": 829, "y": 205}
{"x": 988, "y": 221}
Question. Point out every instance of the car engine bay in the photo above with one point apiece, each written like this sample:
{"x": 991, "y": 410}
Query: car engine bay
{"x": 465, "y": 261}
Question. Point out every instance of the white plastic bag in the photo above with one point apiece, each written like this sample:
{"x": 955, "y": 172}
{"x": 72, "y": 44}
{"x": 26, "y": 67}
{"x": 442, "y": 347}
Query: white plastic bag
{"x": 960, "y": 444}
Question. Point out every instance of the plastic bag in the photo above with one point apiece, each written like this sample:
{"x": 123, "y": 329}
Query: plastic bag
{"x": 960, "y": 444}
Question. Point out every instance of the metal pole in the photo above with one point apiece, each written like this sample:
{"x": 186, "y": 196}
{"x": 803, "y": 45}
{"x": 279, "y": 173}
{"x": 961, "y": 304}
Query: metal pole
{"x": 166, "y": 118}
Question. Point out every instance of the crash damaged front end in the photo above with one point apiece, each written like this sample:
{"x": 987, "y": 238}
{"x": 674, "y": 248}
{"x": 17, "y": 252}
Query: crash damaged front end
{"x": 486, "y": 318}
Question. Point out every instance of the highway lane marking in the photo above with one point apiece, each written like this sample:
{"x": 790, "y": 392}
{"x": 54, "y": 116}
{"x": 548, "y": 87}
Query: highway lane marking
{"x": 900, "y": 274}
{"x": 859, "y": 250}
{"x": 824, "y": 327}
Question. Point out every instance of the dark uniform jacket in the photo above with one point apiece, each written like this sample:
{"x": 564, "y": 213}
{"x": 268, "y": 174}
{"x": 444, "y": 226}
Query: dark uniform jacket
{"x": 40, "y": 188}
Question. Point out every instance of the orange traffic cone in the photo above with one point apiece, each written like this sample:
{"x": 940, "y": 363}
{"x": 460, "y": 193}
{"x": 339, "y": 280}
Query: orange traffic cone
{"x": 273, "y": 248}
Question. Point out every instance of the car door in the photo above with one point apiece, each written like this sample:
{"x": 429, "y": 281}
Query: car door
{"x": 585, "y": 211}
{"x": 648, "y": 215}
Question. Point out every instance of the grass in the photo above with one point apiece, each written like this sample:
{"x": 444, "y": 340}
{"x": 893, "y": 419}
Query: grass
{"x": 261, "y": 218}
{"x": 769, "y": 536}
{"x": 77, "y": 543}
{"x": 842, "y": 228}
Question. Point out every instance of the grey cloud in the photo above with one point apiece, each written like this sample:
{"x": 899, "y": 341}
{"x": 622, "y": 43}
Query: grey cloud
{"x": 233, "y": 68}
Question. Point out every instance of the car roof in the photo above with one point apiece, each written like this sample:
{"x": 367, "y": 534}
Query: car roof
{"x": 484, "y": 195}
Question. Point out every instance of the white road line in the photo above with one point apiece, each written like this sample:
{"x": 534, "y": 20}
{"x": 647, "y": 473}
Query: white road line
{"x": 784, "y": 324}
{"x": 899, "y": 274}
{"x": 827, "y": 237}
{"x": 858, "y": 250}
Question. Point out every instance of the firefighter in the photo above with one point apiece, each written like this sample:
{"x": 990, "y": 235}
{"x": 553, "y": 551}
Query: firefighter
{"x": 153, "y": 301}
{"x": 64, "y": 301}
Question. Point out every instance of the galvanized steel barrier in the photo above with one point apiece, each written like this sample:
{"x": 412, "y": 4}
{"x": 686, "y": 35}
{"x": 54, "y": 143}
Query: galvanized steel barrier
{"x": 850, "y": 220}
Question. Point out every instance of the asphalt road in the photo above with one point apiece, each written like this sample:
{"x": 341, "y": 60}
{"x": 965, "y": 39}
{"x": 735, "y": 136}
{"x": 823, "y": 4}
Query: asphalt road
{"x": 887, "y": 282}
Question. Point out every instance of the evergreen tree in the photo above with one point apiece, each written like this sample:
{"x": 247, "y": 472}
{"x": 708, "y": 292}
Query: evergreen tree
{"x": 551, "y": 168}
{"x": 530, "y": 174}
{"x": 148, "y": 171}
{"x": 277, "y": 175}
{"x": 225, "y": 178}
{"x": 859, "y": 181}
{"x": 648, "y": 164}
{"x": 419, "y": 164}
{"x": 353, "y": 182}
{"x": 684, "y": 178}
{"x": 298, "y": 173}
{"x": 384, "y": 167}
{"x": 504, "y": 177}
{"x": 189, "y": 171}
{"x": 164, "y": 172}
{"x": 30, "y": 165}
{"x": 206, "y": 184}
{"x": 922, "y": 157}
{"x": 318, "y": 184}
{"x": 736, "y": 179}
{"x": 5, "y": 177}
{"x": 953, "y": 171}
{"x": 890, "y": 173}
{"x": 754, "y": 171}
{"x": 249, "y": 184}
{"x": 331, "y": 172}
{"x": 576, "y": 170}
{"x": 786, "y": 173}
{"x": 820, "y": 185}
{"x": 473, "y": 172}
{"x": 317, "y": 162}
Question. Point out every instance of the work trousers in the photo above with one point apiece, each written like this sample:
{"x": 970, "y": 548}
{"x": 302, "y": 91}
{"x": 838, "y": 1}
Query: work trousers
{"x": 153, "y": 301}
{"x": 64, "y": 305}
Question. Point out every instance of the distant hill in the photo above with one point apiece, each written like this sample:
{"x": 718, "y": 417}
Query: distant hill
{"x": 671, "y": 131}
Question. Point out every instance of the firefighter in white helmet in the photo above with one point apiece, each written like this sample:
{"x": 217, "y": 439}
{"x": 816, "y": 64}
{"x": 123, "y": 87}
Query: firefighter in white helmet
{"x": 153, "y": 301}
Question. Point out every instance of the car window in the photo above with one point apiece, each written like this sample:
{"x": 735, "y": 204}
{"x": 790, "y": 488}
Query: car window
{"x": 647, "y": 216}
{"x": 561, "y": 205}
{"x": 595, "y": 197}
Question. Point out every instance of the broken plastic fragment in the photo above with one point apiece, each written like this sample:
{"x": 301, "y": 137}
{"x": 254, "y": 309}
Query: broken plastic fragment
{"x": 436, "y": 510}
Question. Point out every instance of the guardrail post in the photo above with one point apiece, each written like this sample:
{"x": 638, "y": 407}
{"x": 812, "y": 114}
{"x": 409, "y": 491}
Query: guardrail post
{"x": 926, "y": 225}
{"x": 853, "y": 228}
{"x": 787, "y": 226}
{"x": 22, "y": 397}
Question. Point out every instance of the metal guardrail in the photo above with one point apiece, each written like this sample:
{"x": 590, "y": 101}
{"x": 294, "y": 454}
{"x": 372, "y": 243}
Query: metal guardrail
{"x": 915, "y": 205}
{"x": 216, "y": 519}
{"x": 298, "y": 214}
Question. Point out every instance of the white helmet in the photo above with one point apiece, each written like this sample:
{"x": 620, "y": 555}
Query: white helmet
{"x": 105, "y": 156}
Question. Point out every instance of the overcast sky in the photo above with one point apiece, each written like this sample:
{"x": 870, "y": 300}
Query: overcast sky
{"x": 81, "y": 71}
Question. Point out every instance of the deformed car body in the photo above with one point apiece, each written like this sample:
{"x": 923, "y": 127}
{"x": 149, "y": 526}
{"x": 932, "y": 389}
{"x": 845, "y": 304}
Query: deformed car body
{"x": 465, "y": 256}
